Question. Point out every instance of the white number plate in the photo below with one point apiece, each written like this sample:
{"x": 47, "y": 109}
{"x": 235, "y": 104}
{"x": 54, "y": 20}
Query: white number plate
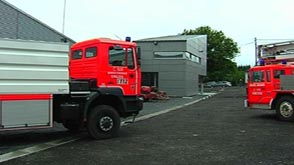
{"x": 122, "y": 81}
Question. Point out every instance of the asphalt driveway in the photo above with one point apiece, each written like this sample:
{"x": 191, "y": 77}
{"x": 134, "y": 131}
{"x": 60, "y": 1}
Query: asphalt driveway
{"x": 214, "y": 131}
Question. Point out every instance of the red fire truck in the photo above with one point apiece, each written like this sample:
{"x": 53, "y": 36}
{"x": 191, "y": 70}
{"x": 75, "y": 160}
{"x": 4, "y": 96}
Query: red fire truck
{"x": 92, "y": 86}
{"x": 271, "y": 85}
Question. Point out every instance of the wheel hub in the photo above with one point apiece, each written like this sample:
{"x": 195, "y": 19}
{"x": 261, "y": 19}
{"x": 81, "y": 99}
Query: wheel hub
{"x": 286, "y": 109}
{"x": 106, "y": 123}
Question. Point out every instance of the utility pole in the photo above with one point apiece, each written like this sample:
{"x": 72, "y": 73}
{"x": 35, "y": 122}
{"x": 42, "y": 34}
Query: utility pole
{"x": 256, "y": 51}
{"x": 63, "y": 22}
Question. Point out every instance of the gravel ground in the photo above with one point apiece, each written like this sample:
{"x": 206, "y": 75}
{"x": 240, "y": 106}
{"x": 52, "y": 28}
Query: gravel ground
{"x": 214, "y": 131}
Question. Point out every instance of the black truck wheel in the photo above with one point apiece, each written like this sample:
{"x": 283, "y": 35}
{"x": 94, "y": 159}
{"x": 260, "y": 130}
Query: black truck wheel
{"x": 73, "y": 126}
{"x": 103, "y": 122}
{"x": 285, "y": 108}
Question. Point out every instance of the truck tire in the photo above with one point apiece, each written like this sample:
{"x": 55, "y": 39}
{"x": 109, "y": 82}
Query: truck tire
{"x": 73, "y": 126}
{"x": 285, "y": 108}
{"x": 103, "y": 122}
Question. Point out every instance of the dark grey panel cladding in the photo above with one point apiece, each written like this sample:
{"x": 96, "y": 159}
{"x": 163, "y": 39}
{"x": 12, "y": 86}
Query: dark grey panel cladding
{"x": 16, "y": 24}
{"x": 172, "y": 46}
{"x": 172, "y": 76}
{"x": 32, "y": 30}
{"x": 8, "y": 21}
{"x": 172, "y": 87}
{"x": 191, "y": 78}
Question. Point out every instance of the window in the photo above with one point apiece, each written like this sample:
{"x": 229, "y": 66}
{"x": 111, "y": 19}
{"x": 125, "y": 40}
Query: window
{"x": 188, "y": 55}
{"x": 257, "y": 76}
{"x": 196, "y": 59}
{"x": 268, "y": 76}
{"x": 91, "y": 52}
{"x": 77, "y": 54}
{"x": 168, "y": 54}
{"x": 278, "y": 73}
{"x": 150, "y": 79}
{"x": 178, "y": 55}
{"x": 119, "y": 56}
{"x": 130, "y": 58}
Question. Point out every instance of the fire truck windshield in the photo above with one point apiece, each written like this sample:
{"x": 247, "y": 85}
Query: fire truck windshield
{"x": 121, "y": 57}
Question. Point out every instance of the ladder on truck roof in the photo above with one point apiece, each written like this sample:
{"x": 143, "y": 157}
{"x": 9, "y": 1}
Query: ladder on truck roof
{"x": 277, "y": 53}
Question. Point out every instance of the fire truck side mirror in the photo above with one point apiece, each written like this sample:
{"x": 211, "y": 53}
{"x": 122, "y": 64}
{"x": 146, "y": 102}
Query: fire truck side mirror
{"x": 139, "y": 55}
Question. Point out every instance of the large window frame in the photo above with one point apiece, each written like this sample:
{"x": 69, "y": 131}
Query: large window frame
{"x": 121, "y": 56}
{"x": 91, "y": 52}
{"x": 77, "y": 54}
{"x": 177, "y": 55}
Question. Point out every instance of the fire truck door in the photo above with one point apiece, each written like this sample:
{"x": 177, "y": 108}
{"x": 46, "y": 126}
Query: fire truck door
{"x": 257, "y": 87}
{"x": 124, "y": 71}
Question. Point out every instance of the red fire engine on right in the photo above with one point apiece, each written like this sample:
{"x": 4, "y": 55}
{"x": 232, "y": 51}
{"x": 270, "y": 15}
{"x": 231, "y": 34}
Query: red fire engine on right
{"x": 271, "y": 84}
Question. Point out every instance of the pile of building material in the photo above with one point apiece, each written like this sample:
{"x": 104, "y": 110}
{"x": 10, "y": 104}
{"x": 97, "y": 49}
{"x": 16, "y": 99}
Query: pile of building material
{"x": 152, "y": 93}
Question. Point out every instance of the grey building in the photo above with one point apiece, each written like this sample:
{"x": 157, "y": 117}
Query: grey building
{"x": 16, "y": 24}
{"x": 174, "y": 63}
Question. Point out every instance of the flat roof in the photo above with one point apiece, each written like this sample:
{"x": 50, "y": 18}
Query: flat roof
{"x": 171, "y": 38}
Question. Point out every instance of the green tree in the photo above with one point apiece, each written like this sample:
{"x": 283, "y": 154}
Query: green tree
{"x": 244, "y": 68}
{"x": 241, "y": 73}
{"x": 221, "y": 50}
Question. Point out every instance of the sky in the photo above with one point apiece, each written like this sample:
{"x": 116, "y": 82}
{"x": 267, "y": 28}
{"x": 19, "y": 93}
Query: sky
{"x": 268, "y": 21}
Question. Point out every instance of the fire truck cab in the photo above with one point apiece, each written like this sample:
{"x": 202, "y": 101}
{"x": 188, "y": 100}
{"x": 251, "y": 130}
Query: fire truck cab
{"x": 272, "y": 87}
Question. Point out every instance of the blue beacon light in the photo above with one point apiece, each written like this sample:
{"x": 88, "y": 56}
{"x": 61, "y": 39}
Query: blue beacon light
{"x": 261, "y": 62}
{"x": 128, "y": 39}
{"x": 284, "y": 62}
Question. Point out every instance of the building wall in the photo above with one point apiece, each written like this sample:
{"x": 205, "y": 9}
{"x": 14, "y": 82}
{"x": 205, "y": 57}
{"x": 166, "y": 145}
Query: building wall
{"x": 172, "y": 76}
{"x": 198, "y": 47}
{"x": 192, "y": 78}
{"x": 18, "y": 25}
{"x": 179, "y": 77}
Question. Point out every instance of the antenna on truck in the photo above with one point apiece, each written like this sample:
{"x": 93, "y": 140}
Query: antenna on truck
{"x": 116, "y": 36}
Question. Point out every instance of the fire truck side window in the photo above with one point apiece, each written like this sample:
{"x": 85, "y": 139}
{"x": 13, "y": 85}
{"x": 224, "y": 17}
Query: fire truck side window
{"x": 130, "y": 57}
{"x": 278, "y": 73}
{"x": 77, "y": 54}
{"x": 91, "y": 52}
{"x": 257, "y": 76}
